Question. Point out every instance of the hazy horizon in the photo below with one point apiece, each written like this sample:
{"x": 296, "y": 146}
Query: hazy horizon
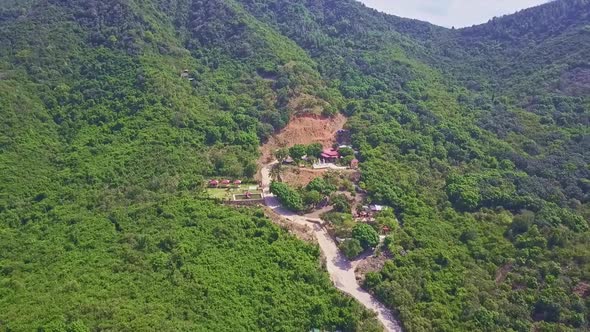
{"x": 451, "y": 13}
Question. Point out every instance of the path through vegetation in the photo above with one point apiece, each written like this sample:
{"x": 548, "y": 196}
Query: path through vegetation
{"x": 340, "y": 269}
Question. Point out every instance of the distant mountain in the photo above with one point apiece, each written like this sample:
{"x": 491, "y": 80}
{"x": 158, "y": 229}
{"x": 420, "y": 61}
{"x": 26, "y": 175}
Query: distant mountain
{"x": 115, "y": 113}
{"x": 534, "y": 45}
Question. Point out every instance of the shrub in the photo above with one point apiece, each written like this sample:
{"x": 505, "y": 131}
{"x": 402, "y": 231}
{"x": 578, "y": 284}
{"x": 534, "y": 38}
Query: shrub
{"x": 366, "y": 235}
{"x": 320, "y": 185}
{"x": 351, "y": 248}
{"x": 340, "y": 203}
{"x": 288, "y": 196}
{"x": 312, "y": 198}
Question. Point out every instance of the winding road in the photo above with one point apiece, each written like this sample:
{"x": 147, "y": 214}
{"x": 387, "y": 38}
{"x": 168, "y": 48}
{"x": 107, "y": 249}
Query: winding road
{"x": 340, "y": 269}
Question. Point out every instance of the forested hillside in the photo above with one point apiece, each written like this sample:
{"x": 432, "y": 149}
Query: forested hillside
{"x": 478, "y": 138}
{"x": 103, "y": 153}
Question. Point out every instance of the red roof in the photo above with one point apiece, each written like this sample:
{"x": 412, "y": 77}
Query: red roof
{"x": 330, "y": 153}
{"x": 237, "y": 182}
{"x": 225, "y": 182}
{"x": 214, "y": 182}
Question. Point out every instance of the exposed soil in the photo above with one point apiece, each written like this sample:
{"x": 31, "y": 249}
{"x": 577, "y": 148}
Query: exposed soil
{"x": 502, "y": 273}
{"x": 300, "y": 177}
{"x": 303, "y": 129}
{"x": 366, "y": 264}
{"x": 582, "y": 289}
{"x": 302, "y": 232}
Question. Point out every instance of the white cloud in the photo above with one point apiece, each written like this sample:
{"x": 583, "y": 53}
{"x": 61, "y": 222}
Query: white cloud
{"x": 448, "y": 13}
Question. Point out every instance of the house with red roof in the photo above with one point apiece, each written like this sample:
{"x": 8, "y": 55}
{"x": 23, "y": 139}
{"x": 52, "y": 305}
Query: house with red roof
{"x": 330, "y": 155}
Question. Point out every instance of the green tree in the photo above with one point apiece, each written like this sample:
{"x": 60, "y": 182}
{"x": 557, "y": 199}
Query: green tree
{"x": 346, "y": 152}
{"x": 321, "y": 185}
{"x": 522, "y": 222}
{"x": 281, "y": 154}
{"x": 366, "y": 235}
{"x": 463, "y": 192}
{"x": 314, "y": 150}
{"x": 312, "y": 198}
{"x": 351, "y": 248}
{"x": 276, "y": 171}
{"x": 340, "y": 203}
{"x": 297, "y": 151}
{"x": 288, "y": 196}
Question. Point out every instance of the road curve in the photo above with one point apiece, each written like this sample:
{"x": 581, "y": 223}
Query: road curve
{"x": 340, "y": 269}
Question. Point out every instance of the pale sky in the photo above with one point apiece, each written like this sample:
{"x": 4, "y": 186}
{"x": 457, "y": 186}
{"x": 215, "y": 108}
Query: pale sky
{"x": 448, "y": 13}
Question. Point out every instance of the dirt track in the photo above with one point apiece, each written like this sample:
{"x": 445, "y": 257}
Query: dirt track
{"x": 340, "y": 269}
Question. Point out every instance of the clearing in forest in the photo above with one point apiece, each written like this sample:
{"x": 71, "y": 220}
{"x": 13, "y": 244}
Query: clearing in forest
{"x": 303, "y": 129}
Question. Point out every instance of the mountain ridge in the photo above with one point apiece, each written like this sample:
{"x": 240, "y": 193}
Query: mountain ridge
{"x": 116, "y": 113}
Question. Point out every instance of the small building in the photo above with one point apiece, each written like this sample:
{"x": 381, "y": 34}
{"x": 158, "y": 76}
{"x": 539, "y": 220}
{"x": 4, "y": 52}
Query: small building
{"x": 213, "y": 183}
{"x": 354, "y": 164}
{"x": 288, "y": 161}
{"x": 237, "y": 183}
{"x": 184, "y": 74}
{"x": 330, "y": 155}
{"x": 377, "y": 208}
{"x": 225, "y": 183}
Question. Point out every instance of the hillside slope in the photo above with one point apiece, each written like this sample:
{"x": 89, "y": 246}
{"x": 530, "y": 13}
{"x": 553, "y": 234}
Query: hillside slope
{"x": 115, "y": 112}
{"x": 104, "y": 150}
{"x": 486, "y": 168}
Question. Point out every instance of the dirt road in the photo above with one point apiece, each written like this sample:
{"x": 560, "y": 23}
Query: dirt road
{"x": 340, "y": 269}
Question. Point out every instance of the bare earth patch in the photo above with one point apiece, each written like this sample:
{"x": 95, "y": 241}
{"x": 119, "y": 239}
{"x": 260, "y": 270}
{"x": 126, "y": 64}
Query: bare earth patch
{"x": 502, "y": 273}
{"x": 301, "y": 177}
{"x": 369, "y": 263}
{"x": 582, "y": 289}
{"x": 303, "y": 233}
{"x": 303, "y": 129}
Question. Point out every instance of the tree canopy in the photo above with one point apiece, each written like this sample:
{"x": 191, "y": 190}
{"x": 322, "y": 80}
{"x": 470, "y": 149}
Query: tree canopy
{"x": 115, "y": 113}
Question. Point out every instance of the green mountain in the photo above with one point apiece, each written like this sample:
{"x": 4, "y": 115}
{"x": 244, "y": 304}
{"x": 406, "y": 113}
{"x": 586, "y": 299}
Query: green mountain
{"x": 115, "y": 112}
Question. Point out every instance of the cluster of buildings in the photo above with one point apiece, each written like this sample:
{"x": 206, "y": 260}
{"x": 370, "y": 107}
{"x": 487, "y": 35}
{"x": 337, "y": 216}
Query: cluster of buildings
{"x": 367, "y": 215}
